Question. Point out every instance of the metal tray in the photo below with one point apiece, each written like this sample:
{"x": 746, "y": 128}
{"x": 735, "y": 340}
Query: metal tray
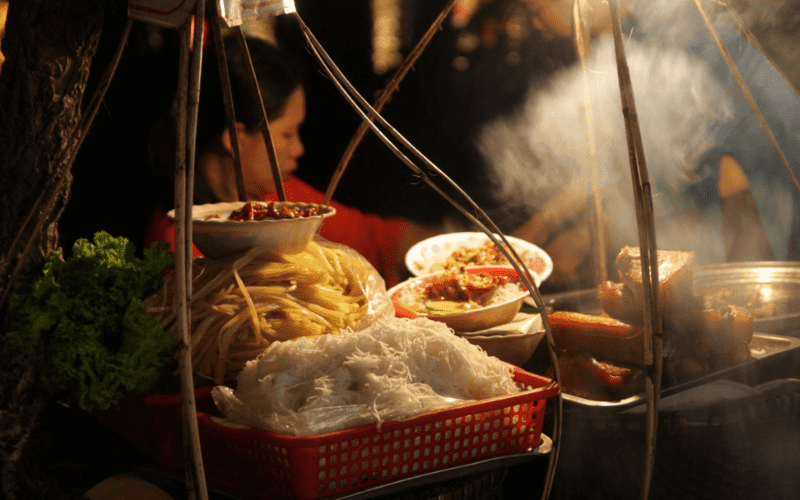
{"x": 770, "y": 352}
{"x": 763, "y": 347}
{"x": 451, "y": 474}
{"x": 773, "y": 284}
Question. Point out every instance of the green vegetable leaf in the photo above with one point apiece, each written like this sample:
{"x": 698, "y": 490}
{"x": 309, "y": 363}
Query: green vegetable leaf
{"x": 83, "y": 320}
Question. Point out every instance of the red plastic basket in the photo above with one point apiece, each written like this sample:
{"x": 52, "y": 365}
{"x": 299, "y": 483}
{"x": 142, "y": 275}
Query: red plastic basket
{"x": 153, "y": 423}
{"x": 269, "y": 465}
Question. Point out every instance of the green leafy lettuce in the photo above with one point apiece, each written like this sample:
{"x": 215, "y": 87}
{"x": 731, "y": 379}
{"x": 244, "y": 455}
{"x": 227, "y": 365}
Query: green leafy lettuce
{"x": 83, "y": 323}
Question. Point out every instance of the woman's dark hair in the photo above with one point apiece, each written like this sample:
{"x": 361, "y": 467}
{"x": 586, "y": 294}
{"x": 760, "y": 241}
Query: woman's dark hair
{"x": 278, "y": 76}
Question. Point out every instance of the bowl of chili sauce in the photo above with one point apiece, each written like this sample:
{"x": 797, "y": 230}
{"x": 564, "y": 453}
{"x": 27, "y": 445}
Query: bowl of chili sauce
{"x": 220, "y": 229}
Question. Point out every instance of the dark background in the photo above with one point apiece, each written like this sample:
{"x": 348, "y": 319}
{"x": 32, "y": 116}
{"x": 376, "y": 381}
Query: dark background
{"x": 436, "y": 107}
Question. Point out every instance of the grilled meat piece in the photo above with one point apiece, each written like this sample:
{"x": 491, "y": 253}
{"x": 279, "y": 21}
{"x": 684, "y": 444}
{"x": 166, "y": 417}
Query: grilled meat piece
{"x": 618, "y": 301}
{"x": 714, "y": 330}
{"x": 701, "y": 333}
{"x": 607, "y": 338}
{"x": 675, "y": 277}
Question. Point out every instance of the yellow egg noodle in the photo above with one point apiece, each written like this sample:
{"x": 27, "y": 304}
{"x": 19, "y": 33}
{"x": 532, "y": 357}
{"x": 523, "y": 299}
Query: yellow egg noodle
{"x": 242, "y": 304}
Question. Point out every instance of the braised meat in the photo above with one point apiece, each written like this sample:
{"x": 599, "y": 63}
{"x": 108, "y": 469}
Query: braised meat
{"x": 701, "y": 333}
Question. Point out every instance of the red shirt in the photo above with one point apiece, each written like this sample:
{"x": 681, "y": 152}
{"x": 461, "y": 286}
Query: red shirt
{"x": 374, "y": 237}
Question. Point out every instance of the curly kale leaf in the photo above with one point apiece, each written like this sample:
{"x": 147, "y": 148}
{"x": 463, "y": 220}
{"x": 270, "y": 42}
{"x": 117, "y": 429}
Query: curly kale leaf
{"x": 83, "y": 320}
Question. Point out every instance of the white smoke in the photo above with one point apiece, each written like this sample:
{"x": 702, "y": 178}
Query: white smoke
{"x": 687, "y": 101}
{"x": 539, "y": 150}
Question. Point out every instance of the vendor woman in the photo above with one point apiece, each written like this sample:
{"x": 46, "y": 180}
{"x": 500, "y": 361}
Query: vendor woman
{"x": 382, "y": 241}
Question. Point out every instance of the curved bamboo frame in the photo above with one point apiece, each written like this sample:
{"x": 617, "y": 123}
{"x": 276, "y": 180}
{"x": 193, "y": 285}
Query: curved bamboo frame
{"x": 370, "y": 116}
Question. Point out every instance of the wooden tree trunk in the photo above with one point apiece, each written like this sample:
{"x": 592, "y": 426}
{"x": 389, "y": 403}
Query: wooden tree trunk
{"x": 49, "y": 45}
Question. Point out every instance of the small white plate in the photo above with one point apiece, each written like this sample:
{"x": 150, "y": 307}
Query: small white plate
{"x": 430, "y": 255}
{"x": 513, "y": 342}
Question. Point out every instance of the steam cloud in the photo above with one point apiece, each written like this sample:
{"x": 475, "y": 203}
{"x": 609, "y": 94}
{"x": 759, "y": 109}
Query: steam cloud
{"x": 683, "y": 107}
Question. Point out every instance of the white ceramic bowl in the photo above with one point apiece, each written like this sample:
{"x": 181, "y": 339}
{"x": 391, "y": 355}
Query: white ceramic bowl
{"x": 515, "y": 348}
{"x": 513, "y": 345}
{"x": 216, "y": 236}
{"x": 474, "y": 319}
{"x": 431, "y": 254}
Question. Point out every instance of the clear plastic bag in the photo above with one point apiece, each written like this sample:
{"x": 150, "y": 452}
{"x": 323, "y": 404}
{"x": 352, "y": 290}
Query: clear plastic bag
{"x": 368, "y": 279}
{"x": 395, "y": 368}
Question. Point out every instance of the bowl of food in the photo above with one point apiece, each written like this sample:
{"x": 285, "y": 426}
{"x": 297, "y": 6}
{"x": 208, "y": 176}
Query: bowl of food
{"x": 466, "y": 249}
{"x": 466, "y": 300}
{"x": 220, "y": 229}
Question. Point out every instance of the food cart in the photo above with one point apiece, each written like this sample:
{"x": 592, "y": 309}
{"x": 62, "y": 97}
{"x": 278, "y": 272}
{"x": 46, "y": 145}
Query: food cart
{"x": 603, "y": 420}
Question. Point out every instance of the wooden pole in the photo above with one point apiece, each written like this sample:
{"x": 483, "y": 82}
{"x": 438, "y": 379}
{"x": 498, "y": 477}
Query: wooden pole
{"x": 755, "y": 43}
{"x": 647, "y": 250}
{"x": 598, "y": 217}
{"x": 740, "y": 80}
{"x": 188, "y": 100}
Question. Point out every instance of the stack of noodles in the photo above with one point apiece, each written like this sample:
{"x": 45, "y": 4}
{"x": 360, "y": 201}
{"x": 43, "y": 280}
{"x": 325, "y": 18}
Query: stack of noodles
{"x": 243, "y": 303}
{"x": 393, "y": 369}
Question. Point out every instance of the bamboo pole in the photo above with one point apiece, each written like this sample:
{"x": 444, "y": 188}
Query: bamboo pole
{"x": 740, "y": 80}
{"x": 383, "y": 98}
{"x": 647, "y": 250}
{"x": 265, "y": 131}
{"x": 755, "y": 43}
{"x": 188, "y": 97}
{"x": 598, "y": 217}
{"x": 227, "y": 97}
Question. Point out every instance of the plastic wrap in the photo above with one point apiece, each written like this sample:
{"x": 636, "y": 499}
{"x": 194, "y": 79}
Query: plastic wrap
{"x": 244, "y": 302}
{"x": 393, "y": 369}
{"x": 379, "y": 305}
